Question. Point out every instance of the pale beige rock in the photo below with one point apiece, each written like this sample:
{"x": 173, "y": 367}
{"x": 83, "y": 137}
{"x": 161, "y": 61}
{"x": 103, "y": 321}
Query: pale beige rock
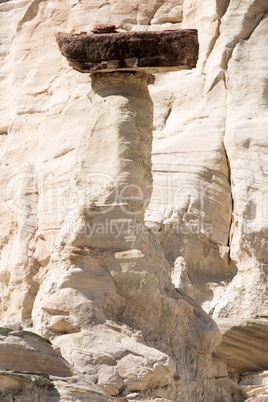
{"x": 98, "y": 274}
{"x": 28, "y": 366}
{"x": 255, "y": 384}
{"x": 37, "y": 387}
{"x": 201, "y": 192}
{"x": 27, "y": 351}
{"x": 115, "y": 361}
{"x": 22, "y": 386}
{"x": 208, "y": 206}
{"x": 244, "y": 344}
{"x": 74, "y": 389}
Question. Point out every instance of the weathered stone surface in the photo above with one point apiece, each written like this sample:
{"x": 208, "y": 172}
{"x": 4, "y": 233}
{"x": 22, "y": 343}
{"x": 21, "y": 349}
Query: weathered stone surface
{"x": 256, "y": 385}
{"x": 103, "y": 28}
{"x": 244, "y": 344}
{"x": 131, "y": 51}
{"x": 120, "y": 364}
{"x": 208, "y": 209}
{"x": 24, "y": 386}
{"x": 107, "y": 286}
{"x": 75, "y": 389}
{"x": 30, "y": 369}
{"x": 27, "y": 351}
{"x": 258, "y": 399}
{"x": 36, "y": 387}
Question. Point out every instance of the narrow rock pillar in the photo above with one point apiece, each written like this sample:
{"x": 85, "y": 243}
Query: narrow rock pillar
{"x": 123, "y": 125}
{"x": 115, "y": 168}
{"x": 116, "y": 164}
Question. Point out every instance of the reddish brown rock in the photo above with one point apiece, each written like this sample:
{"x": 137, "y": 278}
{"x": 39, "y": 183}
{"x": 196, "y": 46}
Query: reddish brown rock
{"x": 131, "y": 51}
{"x": 102, "y": 28}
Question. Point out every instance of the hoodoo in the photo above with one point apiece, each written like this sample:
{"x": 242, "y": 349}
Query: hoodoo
{"x": 110, "y": 257}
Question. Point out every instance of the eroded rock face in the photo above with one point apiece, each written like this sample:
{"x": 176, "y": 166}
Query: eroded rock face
{"x": 30, "y": 369}
{"x": 26, "y": 351}
{"x": 35, "y": 387}
{"x": 108, "y": 282}
{"x": 244, "y": 344}
{"x": 256, "y": 385}
{"x": 208, "y": 207}
{"x": 21, "y": 386}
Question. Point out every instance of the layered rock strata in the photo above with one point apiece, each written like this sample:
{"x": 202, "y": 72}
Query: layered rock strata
{"x": 208, "y": 208}
{"x": 244, "y": 344}
{"x": 108, "y": 262}
{"x": 27, "y": 351}
{"x": 30, "y": 386}
{"x": 31, "y": 370}
{"x": 256, "y": 385}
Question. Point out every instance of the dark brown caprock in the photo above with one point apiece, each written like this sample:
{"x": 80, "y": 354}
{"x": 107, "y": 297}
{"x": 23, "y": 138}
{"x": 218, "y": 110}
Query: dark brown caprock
{"x": 153, "y": 52}
{"x": 102, "y": 28}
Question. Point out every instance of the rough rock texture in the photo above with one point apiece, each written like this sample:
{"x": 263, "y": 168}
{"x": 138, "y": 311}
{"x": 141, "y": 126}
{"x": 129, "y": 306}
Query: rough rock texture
{"x": 256, "y": 385}
{"x": 244, "y": 344}
{"x": 103, "y": 28}
{"x": 23, "y": 386}
{"x": 35, "y": 387}
{"x": 30, "y": 369}
{"x": 207, "y": 219}
{"x": 26, "y": 351}
{"x": 107, "y": 284}
{"x": 258, "y": 399}
{"x": 153, "y": 51}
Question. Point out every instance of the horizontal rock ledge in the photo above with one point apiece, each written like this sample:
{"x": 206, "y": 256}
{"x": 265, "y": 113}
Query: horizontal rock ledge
{"x": 154, "y": 52}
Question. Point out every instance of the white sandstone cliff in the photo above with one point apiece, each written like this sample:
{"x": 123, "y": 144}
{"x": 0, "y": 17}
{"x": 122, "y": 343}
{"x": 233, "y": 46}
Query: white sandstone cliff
{"x": 132, "y": 322}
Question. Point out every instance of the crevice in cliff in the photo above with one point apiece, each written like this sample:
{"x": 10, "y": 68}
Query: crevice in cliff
{"x": 262, "y": 16}
{"x": 222, "y": 75}
{"x": 30, "y": 13}
{"x": 158, "y": 4}
{"x": 231, "y": 200}
{"x": 222, "y": 7}
{"x": 213, "y": 42}
{"x": 167, "y": 113}
{"x": 33, "y": 288}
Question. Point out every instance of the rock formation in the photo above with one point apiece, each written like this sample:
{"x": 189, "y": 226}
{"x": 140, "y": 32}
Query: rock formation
{"x": 136, "y": 329}
{"x": 157, "y": 52}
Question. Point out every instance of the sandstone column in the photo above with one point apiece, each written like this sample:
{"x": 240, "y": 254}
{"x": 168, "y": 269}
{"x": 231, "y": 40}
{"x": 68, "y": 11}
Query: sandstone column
{"x": 116, "y": 163}
{"x": 115, "y": 168}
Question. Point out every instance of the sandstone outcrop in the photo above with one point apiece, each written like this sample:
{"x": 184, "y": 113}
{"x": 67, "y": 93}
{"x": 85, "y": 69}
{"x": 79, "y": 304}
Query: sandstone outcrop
{"x": 30, "y": 369}
{"x": 27, "y": 351}
{"x": 30, "y": 386}
{"x": 257, "y": 399}
{"x": 204, "y": 230}
{"x": 244, "y": 344}
{"x": 256, "y": 385}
